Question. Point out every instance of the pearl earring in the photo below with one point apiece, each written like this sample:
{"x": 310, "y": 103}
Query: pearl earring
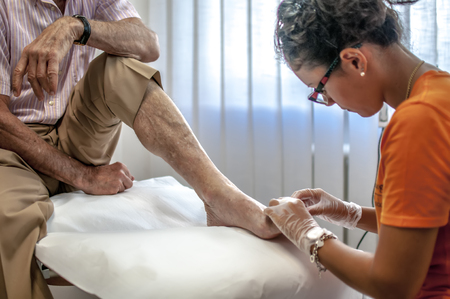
{"x": 363, "y": 74}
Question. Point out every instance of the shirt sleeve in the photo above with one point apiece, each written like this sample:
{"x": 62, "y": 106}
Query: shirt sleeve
{"x": 5, "y": 66}
{"x": 115, "y": 10}
{"x": 416, "y": 158}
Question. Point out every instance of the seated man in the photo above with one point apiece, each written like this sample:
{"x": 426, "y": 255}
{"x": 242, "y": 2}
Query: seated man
{"x": 60, "y": 124}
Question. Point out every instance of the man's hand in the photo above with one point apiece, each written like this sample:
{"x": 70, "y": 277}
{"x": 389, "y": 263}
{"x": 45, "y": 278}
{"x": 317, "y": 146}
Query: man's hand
{"x": 15, "y": 136}
{"x": 106, "y": 180}
{"x": 41, "y": 59}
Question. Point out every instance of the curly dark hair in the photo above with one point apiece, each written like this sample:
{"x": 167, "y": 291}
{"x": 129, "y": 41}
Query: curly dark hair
{"x": 313, "y": 32}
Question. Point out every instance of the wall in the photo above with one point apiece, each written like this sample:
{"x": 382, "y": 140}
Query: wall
{"x": 251, "y": 114}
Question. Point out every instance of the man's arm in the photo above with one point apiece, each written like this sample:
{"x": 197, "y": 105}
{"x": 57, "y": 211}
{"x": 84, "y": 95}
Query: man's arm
{"x": 127, "y": 37}
{"x": 17, "y": 137}
{"x": 41, "y": 59}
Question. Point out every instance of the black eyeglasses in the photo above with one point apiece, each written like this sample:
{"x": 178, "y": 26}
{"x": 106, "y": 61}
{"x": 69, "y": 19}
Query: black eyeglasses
{"x": 317, "y": 95}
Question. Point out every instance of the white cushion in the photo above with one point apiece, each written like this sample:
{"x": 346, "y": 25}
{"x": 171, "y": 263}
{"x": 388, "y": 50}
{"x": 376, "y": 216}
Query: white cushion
{"x": 182, "y": 258}
{"x": 150, "y": 204}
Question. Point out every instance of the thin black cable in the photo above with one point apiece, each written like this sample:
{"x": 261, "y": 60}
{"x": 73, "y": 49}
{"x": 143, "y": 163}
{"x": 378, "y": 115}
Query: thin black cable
{"x": 362, "y": 238}
{"x": 373, "y": 192}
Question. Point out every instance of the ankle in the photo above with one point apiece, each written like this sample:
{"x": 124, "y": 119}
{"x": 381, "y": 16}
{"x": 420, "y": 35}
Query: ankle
{"x": 221, "y": 191}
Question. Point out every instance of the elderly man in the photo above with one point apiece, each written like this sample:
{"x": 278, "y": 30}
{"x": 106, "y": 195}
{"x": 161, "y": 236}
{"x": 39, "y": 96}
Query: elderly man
{"x": 60, "y": 123}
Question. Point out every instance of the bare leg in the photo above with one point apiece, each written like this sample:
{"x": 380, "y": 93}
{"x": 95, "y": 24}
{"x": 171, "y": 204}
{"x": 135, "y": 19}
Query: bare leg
{"x": 163, "y": 131}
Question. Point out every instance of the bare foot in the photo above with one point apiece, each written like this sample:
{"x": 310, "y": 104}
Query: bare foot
{"x": 238, "y": 209}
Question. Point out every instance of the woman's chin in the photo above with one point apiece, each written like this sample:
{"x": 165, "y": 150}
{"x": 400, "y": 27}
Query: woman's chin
{"x": 365, "y": 114}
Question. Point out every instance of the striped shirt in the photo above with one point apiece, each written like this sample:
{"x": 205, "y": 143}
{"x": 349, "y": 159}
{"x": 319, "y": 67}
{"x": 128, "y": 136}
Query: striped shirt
{"x": 21, "y": 22}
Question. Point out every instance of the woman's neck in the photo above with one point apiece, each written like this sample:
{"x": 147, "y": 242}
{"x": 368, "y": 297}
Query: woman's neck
{"x": 399, "y": 66}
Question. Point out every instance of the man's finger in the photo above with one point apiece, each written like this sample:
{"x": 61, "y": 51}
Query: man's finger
{"x": 32, "y": 78}
{"x": 41, "y": 75}
{"x": 37, "y": 89}
{"x": 18, "y": 74}
{"x": 127, "y": 183}
{"x": 121, "y": 188}
{"x": 53, "y": 76}
{"x": 127, "y": 172}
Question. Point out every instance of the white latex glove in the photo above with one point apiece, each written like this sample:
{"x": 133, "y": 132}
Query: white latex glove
{"x": 293, "y": 220}
{"x": 329, "y": 208}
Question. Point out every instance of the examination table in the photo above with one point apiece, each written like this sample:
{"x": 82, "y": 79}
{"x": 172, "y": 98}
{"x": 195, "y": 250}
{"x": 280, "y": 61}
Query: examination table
{"x": 151, "y": 241}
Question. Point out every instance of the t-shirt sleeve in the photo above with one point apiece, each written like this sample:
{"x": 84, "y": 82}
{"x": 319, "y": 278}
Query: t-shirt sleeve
{"x": 5, "y": 66}
{"x": 115, "y": 10}
{"x": 416, "y": 159}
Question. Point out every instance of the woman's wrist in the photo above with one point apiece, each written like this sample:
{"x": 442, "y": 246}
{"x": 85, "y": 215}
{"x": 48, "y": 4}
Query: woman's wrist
{"x": 368, "y": 221}
{"x": 354, "y": 215}
{"x": 317, "y": 236}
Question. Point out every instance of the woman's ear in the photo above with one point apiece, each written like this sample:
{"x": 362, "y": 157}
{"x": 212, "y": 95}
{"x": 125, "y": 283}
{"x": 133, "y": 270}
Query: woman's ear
{"x": 353, "y": 61}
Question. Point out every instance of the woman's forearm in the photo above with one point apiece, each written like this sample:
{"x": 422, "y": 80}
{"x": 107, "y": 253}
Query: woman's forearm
{"x": 349, "y": 265}
{"x": 396, "y": 270}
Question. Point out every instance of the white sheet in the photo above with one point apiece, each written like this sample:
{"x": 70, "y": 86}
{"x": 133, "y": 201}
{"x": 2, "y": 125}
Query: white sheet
{"x": 181, "y": 259}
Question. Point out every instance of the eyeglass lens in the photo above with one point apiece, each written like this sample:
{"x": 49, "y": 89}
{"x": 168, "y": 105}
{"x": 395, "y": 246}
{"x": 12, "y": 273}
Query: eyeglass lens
{"x": 319, "y": 97}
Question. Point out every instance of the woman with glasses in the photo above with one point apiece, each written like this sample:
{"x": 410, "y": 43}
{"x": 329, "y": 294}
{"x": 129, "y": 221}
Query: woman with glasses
{"x": 350, "y": 53}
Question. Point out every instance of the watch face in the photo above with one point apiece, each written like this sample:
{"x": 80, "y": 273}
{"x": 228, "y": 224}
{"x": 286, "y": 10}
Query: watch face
{"x": 314, "y": 233}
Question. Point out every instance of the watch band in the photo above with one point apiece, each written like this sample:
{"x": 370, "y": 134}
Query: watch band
{"x": 86, "y": 33}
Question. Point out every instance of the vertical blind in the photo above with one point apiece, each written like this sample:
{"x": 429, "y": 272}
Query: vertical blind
{"x": 250, "y": 112}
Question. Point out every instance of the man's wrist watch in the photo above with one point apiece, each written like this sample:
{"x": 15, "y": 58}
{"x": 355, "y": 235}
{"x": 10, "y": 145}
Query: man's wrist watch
{"x": 316, "y": 237}
{"x": 86, "y": 33}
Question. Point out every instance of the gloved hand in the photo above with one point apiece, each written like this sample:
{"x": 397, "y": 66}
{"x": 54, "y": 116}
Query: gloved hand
{"x": 329, "y": 208}
{"x": 293, "y": 220}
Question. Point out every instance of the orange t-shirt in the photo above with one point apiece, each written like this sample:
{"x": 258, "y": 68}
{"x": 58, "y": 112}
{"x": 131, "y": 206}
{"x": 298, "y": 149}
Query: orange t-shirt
{"x": 413, "y": 183}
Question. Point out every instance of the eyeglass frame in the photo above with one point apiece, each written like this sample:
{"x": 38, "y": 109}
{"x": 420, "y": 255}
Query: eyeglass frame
{"x": 319, "y": 90}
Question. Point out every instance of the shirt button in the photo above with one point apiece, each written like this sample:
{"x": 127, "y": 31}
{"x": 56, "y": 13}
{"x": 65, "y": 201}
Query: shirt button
{"x": 59, "y": 73}
{"x": 51, "y": 103}
{"x": 52, "y": 8}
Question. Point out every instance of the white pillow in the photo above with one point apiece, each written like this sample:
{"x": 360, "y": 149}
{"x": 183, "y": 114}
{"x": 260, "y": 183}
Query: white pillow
{"x": 188, "y": 261}
{"x": 150, "y": 204}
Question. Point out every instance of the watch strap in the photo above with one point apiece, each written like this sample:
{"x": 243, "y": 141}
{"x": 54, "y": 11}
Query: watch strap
{"x": 86, "y": 33}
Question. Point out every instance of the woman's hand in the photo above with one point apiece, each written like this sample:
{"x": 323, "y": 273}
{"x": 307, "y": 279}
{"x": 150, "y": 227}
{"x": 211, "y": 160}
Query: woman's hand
{"x": 293, "y": 220}
{"x": 329, "y": 208}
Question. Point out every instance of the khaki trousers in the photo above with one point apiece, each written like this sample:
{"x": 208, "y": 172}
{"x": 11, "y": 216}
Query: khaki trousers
{"x": 110, "y": 93}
